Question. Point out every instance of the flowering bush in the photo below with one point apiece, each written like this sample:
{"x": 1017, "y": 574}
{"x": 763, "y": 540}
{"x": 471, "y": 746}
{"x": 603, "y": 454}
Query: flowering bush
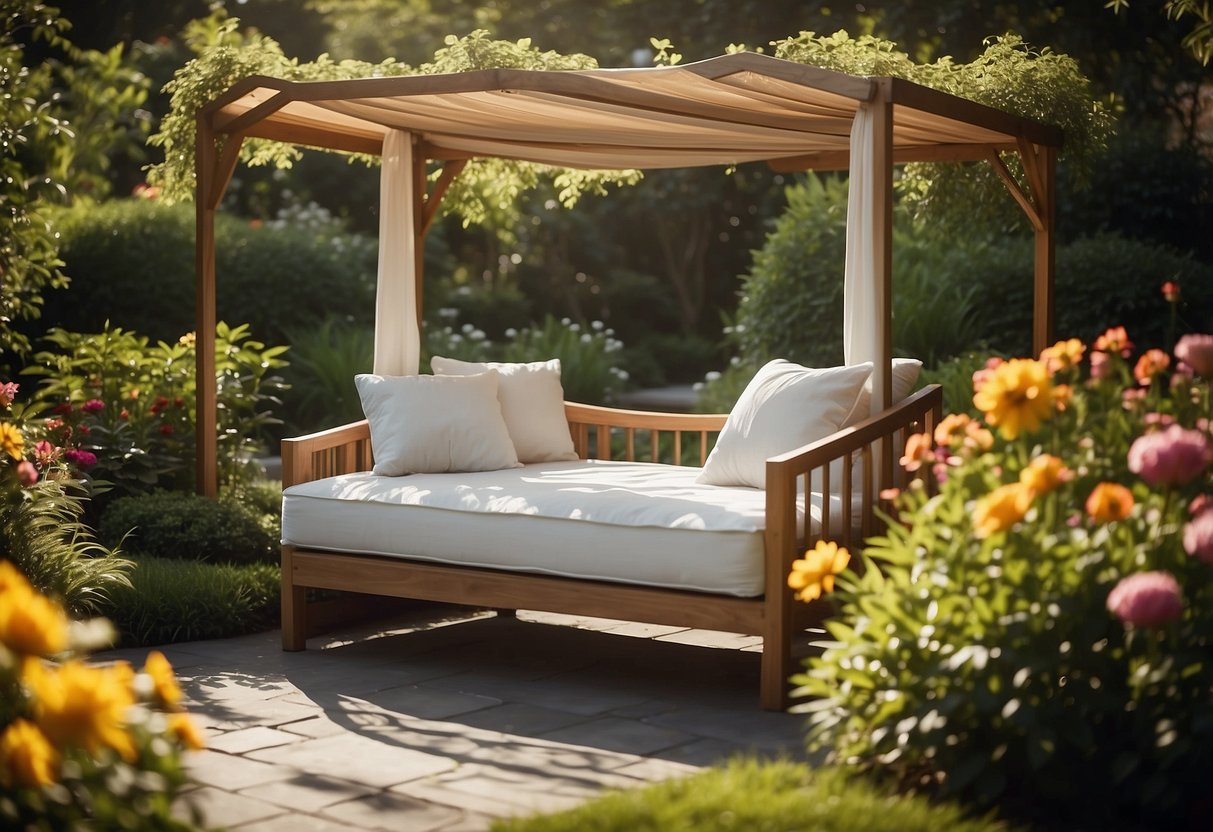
{"x": 121, "y": 410}
{"x": 81, "y": 745}
{"x": 1033, "y": 631}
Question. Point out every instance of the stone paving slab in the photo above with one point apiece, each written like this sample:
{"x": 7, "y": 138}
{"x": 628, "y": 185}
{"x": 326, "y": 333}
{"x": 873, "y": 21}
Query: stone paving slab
{"x": 442, "y": 719}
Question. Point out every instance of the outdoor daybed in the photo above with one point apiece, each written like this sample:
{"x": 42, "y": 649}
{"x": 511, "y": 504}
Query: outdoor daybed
{"x": 586, "y": 533}
{"x": 724, "y": 111}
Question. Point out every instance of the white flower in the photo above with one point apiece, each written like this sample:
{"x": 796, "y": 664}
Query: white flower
{"x": 597, "y": 325}
{"x": 467, "y": 329}
{"x": 712, "y": 376}
{"x": 511, "y": 333}
{"x": 448, "y": 312}
{"x": 586, "y": 337}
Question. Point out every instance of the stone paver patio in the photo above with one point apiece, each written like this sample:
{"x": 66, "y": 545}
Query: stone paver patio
{"x": 443, "y": 718}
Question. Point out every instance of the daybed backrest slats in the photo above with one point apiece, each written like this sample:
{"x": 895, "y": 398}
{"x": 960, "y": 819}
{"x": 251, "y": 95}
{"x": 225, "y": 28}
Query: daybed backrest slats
{"x": 654, "y": 446}
{"x": 662, "y": 431}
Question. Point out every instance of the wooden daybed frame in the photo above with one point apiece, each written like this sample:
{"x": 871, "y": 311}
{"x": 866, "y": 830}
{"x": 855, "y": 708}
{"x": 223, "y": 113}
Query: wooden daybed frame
{"x": 775, "y": 615}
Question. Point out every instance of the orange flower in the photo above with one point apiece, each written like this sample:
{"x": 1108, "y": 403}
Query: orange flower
{"x": 1109, "y": 501}
{"x": 77, "y": 704}
{"x": 917, "y": 451}
{"x": 1063, "y": 355}
{"x": 30, "y": 624}
{"x": 1001, "y": 509}
{"x": 166, "y": 689}
{"x": 1044, "y": 473}
{"x": 183, "y": 729}
{"x": 1115, "y": 339}
{"x": 27, "y": 757}
{"x": 1016, "y": 397}
{"x": 952, "y": 424}
{"x": 1151, "y": 363}
{"x": 961, "y": 430}
{"x": 1063, "y": 394}
{"x": 814, "y": 574}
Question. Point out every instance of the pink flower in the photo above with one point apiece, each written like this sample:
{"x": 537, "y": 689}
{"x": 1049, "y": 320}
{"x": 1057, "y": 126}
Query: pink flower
{"x": 1201, "y": 502}
{"x": 1197, "y": 352}
{"x": 992, "y": 364}
{"x": 1170, "y": 457}
{"x": 1101, "y": 367}
{"x": 1198, "y": 537}
{"x": 1147, "y": 599}
{"x": 81, "y": 459}
{"x": 1131, "y": 397}
{"x": 45, "y": 453}
{"x": 27, "y": 474}
{"x": 8, "y": 392}
{"x": 93, "y": 406}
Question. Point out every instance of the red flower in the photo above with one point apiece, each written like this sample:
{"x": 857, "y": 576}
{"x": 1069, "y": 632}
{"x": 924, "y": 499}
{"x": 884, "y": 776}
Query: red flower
{"x": 124, "y": 415}
{"x": 167, "y": 430}
{"x": 63, "y": 408}
{"x": 93, "y": 406}
{"x": 1170, "y": 291}
{"x": 81, "y": 459}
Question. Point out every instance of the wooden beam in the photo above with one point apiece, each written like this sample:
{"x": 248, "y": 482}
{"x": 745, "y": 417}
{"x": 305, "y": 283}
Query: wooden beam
{"x": 1046, "y": 250}
{"x": 917, "y": 97}
{"x": 449, "y": 172}
{"x": 205, "y": 421}
{"x": 1025, "y": 202}
{"x": 841, "y": 159}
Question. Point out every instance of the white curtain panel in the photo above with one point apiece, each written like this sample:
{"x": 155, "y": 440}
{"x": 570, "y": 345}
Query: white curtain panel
{"x": 397, "y": 337}
{"x": 863, "y": 289}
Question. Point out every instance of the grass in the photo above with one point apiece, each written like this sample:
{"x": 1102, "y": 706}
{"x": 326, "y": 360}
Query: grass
{"x": 758, "y": 797}
{"x": 181, "y": 600}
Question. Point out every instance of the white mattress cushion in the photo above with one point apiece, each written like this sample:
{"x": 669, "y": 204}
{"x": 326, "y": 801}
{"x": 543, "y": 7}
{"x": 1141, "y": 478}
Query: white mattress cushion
{"x": 629, "y": 522}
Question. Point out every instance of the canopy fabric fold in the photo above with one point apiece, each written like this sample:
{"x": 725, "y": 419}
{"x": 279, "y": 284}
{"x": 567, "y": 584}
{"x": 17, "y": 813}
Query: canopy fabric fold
{"x": 397, "y": 336}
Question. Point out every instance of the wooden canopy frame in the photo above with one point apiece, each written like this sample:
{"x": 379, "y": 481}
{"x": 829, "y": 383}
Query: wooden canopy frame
{"x": 725, "y": 110}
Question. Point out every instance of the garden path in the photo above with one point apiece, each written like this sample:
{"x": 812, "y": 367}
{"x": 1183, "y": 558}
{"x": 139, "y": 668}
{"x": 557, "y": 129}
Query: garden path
{"x": 444, "y": 718}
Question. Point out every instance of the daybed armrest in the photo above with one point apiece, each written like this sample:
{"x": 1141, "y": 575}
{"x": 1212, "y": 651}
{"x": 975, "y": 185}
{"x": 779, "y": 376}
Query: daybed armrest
{"x": 811, "y": 463}
{"x": 327, "y": 453}
{"x": 593, "y": 427}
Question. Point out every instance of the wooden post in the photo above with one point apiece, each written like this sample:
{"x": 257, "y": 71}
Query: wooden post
{"x": 882, "y": 238}
{"x": 1046, "y": 244}
{"x": 779, "y": 544}
{"x": 205, "y": 420}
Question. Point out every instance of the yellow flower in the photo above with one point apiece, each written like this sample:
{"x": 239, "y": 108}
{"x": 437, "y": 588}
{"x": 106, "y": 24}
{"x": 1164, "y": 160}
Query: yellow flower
{"x": 167, "y": 691}
{"x": 815, "y": 573}
{"x": 30, "y": 624}
{"x": 27, "y": 757}
{"x": 1001, "y": 509}
{"x": 1044, "y": 473}
{"x": 77, "y": 704}
{"x": 1109, "y": 501}
{"x": 183, "y": 729}
{"x": 1016, "y": 396}
{"x": 11, "y": 440}
{"x": 1063, "y": 355}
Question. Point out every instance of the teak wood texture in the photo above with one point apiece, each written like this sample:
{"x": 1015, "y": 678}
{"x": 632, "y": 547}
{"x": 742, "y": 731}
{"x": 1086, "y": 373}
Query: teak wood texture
{"x": 611, "y": 433}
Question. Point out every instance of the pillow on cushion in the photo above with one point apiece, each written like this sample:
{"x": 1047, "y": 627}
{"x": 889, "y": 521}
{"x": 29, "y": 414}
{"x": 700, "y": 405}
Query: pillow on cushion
{"x": 905, "y": 376}
{"x": 783, "y": 407}
{"x": 434, "y": 424}
{"x": 532, "y": 404}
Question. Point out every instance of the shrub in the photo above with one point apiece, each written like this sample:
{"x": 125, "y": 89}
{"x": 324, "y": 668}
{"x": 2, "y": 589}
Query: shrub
{"x": 177, "y": 525}
{"x": 747, "y": 795}
{"x": 1100, "y": 278}
{"x": 130, "y": 405}
{"x": 279, "y": 276}
{"x": 83, "y": 747}
{"x": 320, "y": 379}
{"x": 179, "y": 600}
{"x": 1036, "y": 634}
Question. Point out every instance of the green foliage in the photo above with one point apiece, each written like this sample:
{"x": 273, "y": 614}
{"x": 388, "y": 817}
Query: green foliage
{"x": 131, "y": 404}
{"x": 172, "y": 524}
{"x": 977, "y": 652}
{"x": 1100, "y": 278}
{"x": 747, "y": 795}
{"x": 1009, "y": 75}
{"x": 791, "y": 303}
{"x": 484, "y": 193}
{"x": 282, "y": 276}
{"x": 27, "y": 120}
{"x": 588, "y": 355}
{"x": 1199, "y": 41}
{"x": 719, "y": 391}
{"x": 178, "y": 600}
{"x": 324, "y": 361}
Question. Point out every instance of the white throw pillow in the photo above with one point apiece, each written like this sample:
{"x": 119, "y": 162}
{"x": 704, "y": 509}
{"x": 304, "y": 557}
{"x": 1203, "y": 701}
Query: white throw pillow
{"x": 783, "y": 407}
{"x": 435, "y": 424}
{"x": 905, "y": 376}
{"x": 532, "y": 404}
